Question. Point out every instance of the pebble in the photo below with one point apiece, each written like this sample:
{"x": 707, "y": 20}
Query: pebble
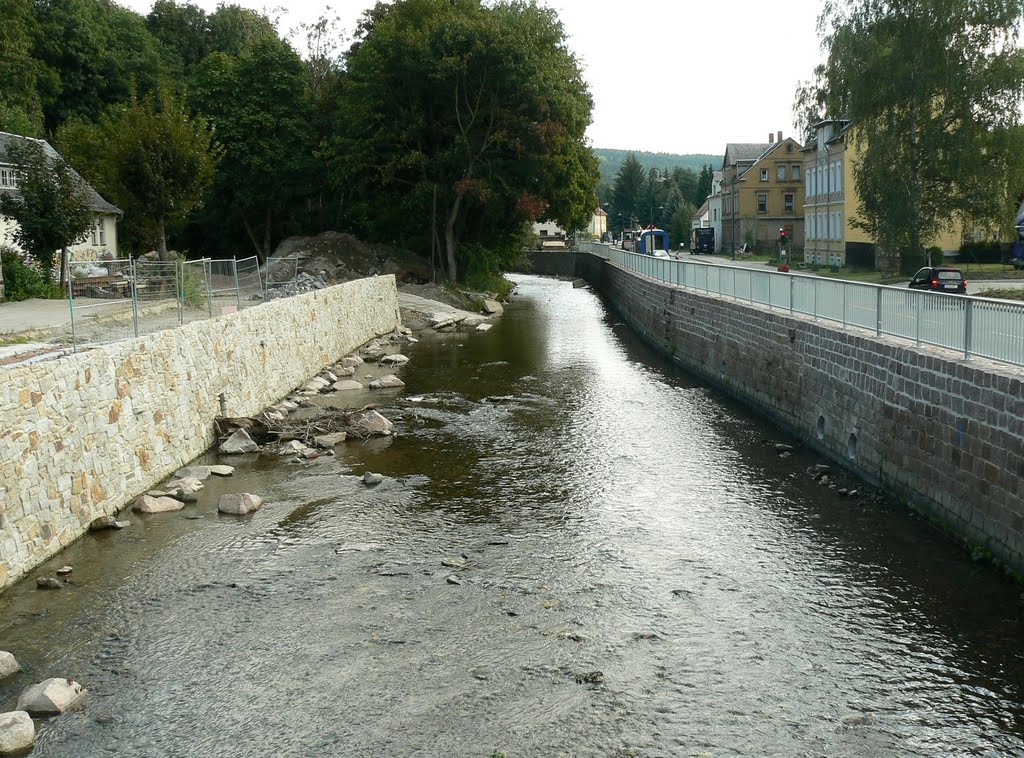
{"x": 453, "y": 580}
{"x": 370, "y": 479}
{"x": 64, "y": 570}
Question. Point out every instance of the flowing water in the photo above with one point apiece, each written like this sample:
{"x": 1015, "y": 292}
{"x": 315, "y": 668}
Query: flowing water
{"x": 598, "y": 511}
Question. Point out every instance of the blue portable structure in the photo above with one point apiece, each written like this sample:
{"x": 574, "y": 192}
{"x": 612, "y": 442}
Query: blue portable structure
{"x": 651, "y": 240}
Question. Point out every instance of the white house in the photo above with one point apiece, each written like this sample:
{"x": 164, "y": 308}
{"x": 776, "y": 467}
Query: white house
{"x": 100, "y": 241}
{"x": 550, "y": 234}
{"x": 715, "y": 208}
{"x": 598, "y": 226}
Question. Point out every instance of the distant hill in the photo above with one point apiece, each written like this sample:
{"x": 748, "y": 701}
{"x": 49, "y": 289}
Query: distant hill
{"x": 611, "y": 160}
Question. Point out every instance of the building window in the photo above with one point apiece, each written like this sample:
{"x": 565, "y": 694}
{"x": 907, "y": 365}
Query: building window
{"x": 780, "y": 172}
{"x": 788, "y": 202}
{"x": 808, "y": 232}
{"x": 795, "y": 172}
{"x": 8, "y": 178}
{"x": 839, "y": 225}
{"x": 764, "y": 175}
{"x": 762, "y": 202}
{"x": 103, "y": 231}
{"x": 95, "y": 239}
{"x": 839, "y": 176}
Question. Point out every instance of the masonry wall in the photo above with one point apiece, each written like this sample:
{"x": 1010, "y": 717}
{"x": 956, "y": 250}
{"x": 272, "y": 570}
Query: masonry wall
{"x": 944, "y": 433}
{"x": 83, "y": 435}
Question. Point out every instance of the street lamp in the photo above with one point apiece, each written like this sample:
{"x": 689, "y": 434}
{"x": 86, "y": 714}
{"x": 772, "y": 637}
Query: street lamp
{"x": 655, "y": 175}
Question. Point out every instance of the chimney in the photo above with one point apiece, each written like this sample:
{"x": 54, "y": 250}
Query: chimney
{"x": 770, "y": 138}
{"x": 780, "y": 137}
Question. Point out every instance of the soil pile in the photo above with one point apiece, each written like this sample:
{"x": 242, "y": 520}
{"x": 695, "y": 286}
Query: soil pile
{"x": 337, "y": 257}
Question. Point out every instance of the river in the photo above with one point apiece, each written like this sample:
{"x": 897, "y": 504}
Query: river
{"x": 599, "y": 511}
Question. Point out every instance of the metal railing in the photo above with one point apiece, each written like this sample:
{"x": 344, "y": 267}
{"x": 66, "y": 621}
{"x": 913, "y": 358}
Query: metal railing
{"x": 120, "y": 299}
{"x": 973, "y": 326}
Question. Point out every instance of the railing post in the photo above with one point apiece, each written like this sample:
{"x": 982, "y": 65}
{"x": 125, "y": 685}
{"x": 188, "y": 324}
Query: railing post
{"x": 750, "y": 285}
{"x": 71, "y": 304}
{"x": 917, "y": 318}
{"x": 814, "y": 300}
{"x": 135, "y": 294}
{"x": 770, "y": 277}
{"x": 968, "y": 319}
{"x": 792, "y": 279}
{"x": 846, "y": 289}
{"x": 238, "y": 292}
{"x": 207, "y": 273}
{"x": 878, "y": 312}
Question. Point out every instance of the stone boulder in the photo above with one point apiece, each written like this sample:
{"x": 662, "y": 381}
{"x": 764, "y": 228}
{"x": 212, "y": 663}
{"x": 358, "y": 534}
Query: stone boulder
{"x": 394, "y": 359}
{"x": 199, "y": 473}
{"x": 238, "y": 443}
{"x": 492, "y": 306}
{"x": 239, "y": 503}
{"x": 483, "y": 327}
{"x": 17, "y": 732}
{"x": 107, "y": 522}
{"x": 373, "y": 423}
{"x": 347, "y": 384}
{"x": 328, "y": 441}
{"x": 386, "y": 382}
{"x": 150, "y": 504}
{"x": 371, "y": 479}
{"x": 294, "y": 448}
{"x": 221, "y": 470}
{"x": 51, "y": 697}
{"x": 352, "y": 361}
{"x": 346, "y": 371}
{"x": 8, "y": 664}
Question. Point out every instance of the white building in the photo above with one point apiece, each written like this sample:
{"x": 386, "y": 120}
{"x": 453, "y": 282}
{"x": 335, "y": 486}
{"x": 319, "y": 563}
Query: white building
{"x": 100, "y": 241}
{"x": 715, "y": 209}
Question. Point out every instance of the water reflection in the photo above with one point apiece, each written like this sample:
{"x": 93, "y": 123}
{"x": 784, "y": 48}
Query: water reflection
{"x": 559, "y": 501}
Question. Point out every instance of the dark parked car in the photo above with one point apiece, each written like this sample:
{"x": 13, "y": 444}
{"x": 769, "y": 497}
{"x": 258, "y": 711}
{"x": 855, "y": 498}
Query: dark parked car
{"x": 940, "y": 280}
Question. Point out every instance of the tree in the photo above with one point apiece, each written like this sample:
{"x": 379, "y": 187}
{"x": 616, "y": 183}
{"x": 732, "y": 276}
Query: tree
{"x": 457, "y": 123}
{"x": 51, "y": 206}
{"x": 183, "y": 29}
{"x": 682, "y": 223}
{"x": 704, "y": 182}
{"x": 259, "y": 107}
{"x": 627, "y": 192}
{"x": 153, "y": 158}
{"x": 20, "y": 107}
{"x": 938, "y": 141}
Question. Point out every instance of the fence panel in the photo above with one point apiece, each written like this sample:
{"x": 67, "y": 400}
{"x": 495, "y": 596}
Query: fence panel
{"x": 101, "y": 301}
{"x": 156, "y": 295}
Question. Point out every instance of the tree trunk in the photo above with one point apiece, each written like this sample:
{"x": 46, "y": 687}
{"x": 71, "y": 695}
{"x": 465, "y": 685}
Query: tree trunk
{"x": 449, "y": 237}
{"x": 161, "y": 243}
{"x": 266, "y": 234}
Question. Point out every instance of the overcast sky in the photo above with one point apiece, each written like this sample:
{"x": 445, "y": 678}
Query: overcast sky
{"x": 724, "y": 71}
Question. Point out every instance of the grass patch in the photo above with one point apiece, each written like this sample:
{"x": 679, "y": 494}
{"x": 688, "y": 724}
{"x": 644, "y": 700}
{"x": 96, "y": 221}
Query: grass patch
{"x": 1003, "y": 294}
{"x": 13, "y": 339}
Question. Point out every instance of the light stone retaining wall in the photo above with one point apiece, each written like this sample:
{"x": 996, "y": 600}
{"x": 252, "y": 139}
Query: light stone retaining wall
{"x": 82, "y": 435}
{"x": 944, "y": 433}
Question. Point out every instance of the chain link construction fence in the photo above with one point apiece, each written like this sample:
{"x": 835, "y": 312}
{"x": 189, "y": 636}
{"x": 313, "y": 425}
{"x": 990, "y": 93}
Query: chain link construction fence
{"x": 119, "y": 299}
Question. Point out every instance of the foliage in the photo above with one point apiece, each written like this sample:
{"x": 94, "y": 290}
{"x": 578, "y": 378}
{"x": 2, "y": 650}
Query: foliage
{"x": 610, "y": 161}
{"x": 680, "y": 230}
{"x": 51, "y": 207}
{"x": 457, "y": 122}
{"x": 21, "y": 281}
{"x": 983, "y": 252}
{"x": 183, "y": 31}
{"x": 749, "y": 239}
{"x": 259, "y": 108}
{"x": 629, "y": 182}
{"x": 704, "y": 183}
{"x": 152, "y": 158}
{"x": 21, "y": 110}
{"x": 941, "y": 141}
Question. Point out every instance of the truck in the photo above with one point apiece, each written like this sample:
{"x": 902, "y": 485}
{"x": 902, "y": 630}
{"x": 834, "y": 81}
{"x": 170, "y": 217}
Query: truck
{"x": 703, "y": 241}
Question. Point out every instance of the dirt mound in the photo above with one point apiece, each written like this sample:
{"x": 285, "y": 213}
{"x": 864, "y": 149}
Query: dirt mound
{"x": 338, "y": 257}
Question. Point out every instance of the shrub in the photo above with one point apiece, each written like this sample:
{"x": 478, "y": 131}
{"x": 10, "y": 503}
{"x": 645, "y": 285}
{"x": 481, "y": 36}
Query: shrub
{"x": 982, "y": 252}
{"x": 22, "y": 281}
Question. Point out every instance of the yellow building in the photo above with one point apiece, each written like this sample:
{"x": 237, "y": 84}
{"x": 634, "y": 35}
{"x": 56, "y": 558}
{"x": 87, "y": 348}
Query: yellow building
{"x": 761, "y": 193}
{"x": 831, "y": 202}
{"x": 598, "y": 226}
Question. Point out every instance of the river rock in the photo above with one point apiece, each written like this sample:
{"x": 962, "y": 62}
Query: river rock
{"x": 239, "y": 503}
{"x": 199, "y": 473}
{"x": 222, "y": 470}
{"x": 185, "y": 484}
{"x": 17, "y": 732}
{"x": 492, "y": 306}
{"x": 347, "y": 384}
{"x": 150, "y": 504}
{"x": 484, "y": 327}
{"x": 65, "y": 571}
{"x": 783, "y": 448}
{"x": 370, "y": 478}
{"x": 238, "y": 443}
{"x": 373, "y": 422}
{"x": 107, "y": 522}
{"x": 394, "y": 359}
{"x": 49, "y": 583}
{"x": 345, "y": 371}
{"x": 328, "y": 441}
{"x": 314, "y": 385}
{"x": 51, "y": 697}
{"x": 296, "y": 448}
{"x": 579, "y": 283}
{"x": 351, "y": 361}
{"x": 386, "y": 382}
{"x": 8, "y": 664}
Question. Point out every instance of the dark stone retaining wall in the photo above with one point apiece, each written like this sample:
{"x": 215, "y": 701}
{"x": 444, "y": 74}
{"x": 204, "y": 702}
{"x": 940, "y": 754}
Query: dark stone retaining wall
{"x": 943, "y": 433}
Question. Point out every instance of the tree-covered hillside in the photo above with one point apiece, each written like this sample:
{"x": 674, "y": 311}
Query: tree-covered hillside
{"x": 610, "y": 161}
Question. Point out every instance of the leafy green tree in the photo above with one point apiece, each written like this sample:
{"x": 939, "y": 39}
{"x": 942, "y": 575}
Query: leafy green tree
{"x": 51, "y": 206}
{"x": 679, "y": 231}
{"x": 939, "y": 140}
{"x": 627, "y": 192}
{"x": 184, "y": 31}
{"x": 704, "y": 182}
{"x": 153, "y": 158}
{"x": 21, "y": 110}
{"x": 457, "y": 123}
{"x": 258, "y": 105}
{"x": 234, "y": 30}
